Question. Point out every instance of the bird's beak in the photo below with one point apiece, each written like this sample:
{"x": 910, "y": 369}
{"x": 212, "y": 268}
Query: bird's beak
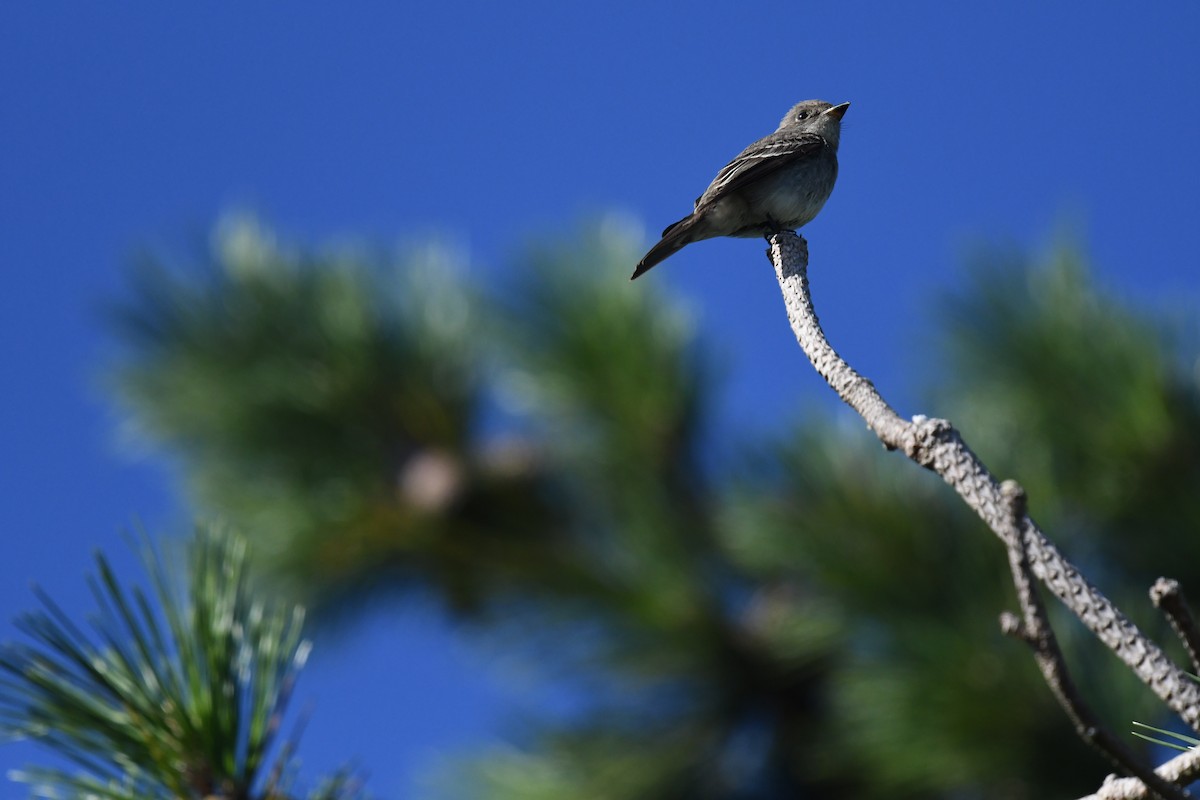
{"x": 837, "y": 111}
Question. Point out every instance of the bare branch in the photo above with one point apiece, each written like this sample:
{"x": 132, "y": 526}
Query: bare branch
{"x": 936, "y": 445}
{"x": 1181, "y": 770}
{"x": 1034, "y": 629}
{"x": 1167, "y": 595}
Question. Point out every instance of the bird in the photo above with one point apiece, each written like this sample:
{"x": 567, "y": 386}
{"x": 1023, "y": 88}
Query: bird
{"x": 778, "y": 183}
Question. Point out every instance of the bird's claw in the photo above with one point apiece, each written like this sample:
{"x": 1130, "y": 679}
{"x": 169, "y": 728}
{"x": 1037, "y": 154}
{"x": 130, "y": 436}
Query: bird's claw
{"x": 772, "y": 227}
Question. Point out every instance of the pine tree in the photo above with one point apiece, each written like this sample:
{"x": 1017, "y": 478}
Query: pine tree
{"x": 810, "y": 617}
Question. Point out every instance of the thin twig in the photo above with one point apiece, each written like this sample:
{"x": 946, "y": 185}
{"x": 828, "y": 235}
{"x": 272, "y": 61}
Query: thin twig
{"x": 1034, "y": 629}
{"x": 1167, "y": 595}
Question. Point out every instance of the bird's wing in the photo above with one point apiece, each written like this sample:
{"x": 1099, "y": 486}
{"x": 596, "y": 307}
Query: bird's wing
{"x": 759, "y": 160}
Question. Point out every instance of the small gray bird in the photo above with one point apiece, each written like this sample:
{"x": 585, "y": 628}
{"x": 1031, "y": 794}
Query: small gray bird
{"x": 778, "y": 183}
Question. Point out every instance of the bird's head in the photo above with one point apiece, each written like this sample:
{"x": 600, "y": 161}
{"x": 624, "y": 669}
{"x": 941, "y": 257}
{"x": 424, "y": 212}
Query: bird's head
{"x": 818, "y": 117}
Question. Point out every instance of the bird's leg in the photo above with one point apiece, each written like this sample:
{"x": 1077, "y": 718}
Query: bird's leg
{"x": 771, "y": 227}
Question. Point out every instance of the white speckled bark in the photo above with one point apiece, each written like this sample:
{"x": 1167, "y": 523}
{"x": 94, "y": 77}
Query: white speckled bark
{"x": 934, "y": 444}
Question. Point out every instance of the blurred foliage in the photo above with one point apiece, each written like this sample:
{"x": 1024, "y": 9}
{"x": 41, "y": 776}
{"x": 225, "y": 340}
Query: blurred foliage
{"x": 816, "y": 618}
{"x": 184, "y": 702}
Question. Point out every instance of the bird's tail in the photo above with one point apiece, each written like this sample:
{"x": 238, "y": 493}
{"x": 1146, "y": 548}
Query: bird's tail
{"x": 673, "y": 239}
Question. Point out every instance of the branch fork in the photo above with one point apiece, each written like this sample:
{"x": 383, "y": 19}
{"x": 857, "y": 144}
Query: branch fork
{"x": 936, "y": 445}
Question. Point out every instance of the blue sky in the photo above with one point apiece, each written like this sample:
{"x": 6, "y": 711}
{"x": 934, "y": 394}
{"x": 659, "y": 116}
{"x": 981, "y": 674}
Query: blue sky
{"x": 127, "y": 125}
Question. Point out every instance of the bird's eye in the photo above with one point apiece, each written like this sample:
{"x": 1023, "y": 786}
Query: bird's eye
{"x": 802, "y": 115}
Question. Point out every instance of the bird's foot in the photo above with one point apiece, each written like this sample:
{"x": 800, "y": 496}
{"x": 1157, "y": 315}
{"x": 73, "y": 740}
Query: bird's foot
{"x": 771, "y": 227}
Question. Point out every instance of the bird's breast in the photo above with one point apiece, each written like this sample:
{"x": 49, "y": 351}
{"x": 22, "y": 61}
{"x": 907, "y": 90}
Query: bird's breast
{"x": 793, "y": 195}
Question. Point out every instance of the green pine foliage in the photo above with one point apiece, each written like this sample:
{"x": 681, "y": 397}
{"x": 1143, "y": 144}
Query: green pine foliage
{"x": 176, "y": 693}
